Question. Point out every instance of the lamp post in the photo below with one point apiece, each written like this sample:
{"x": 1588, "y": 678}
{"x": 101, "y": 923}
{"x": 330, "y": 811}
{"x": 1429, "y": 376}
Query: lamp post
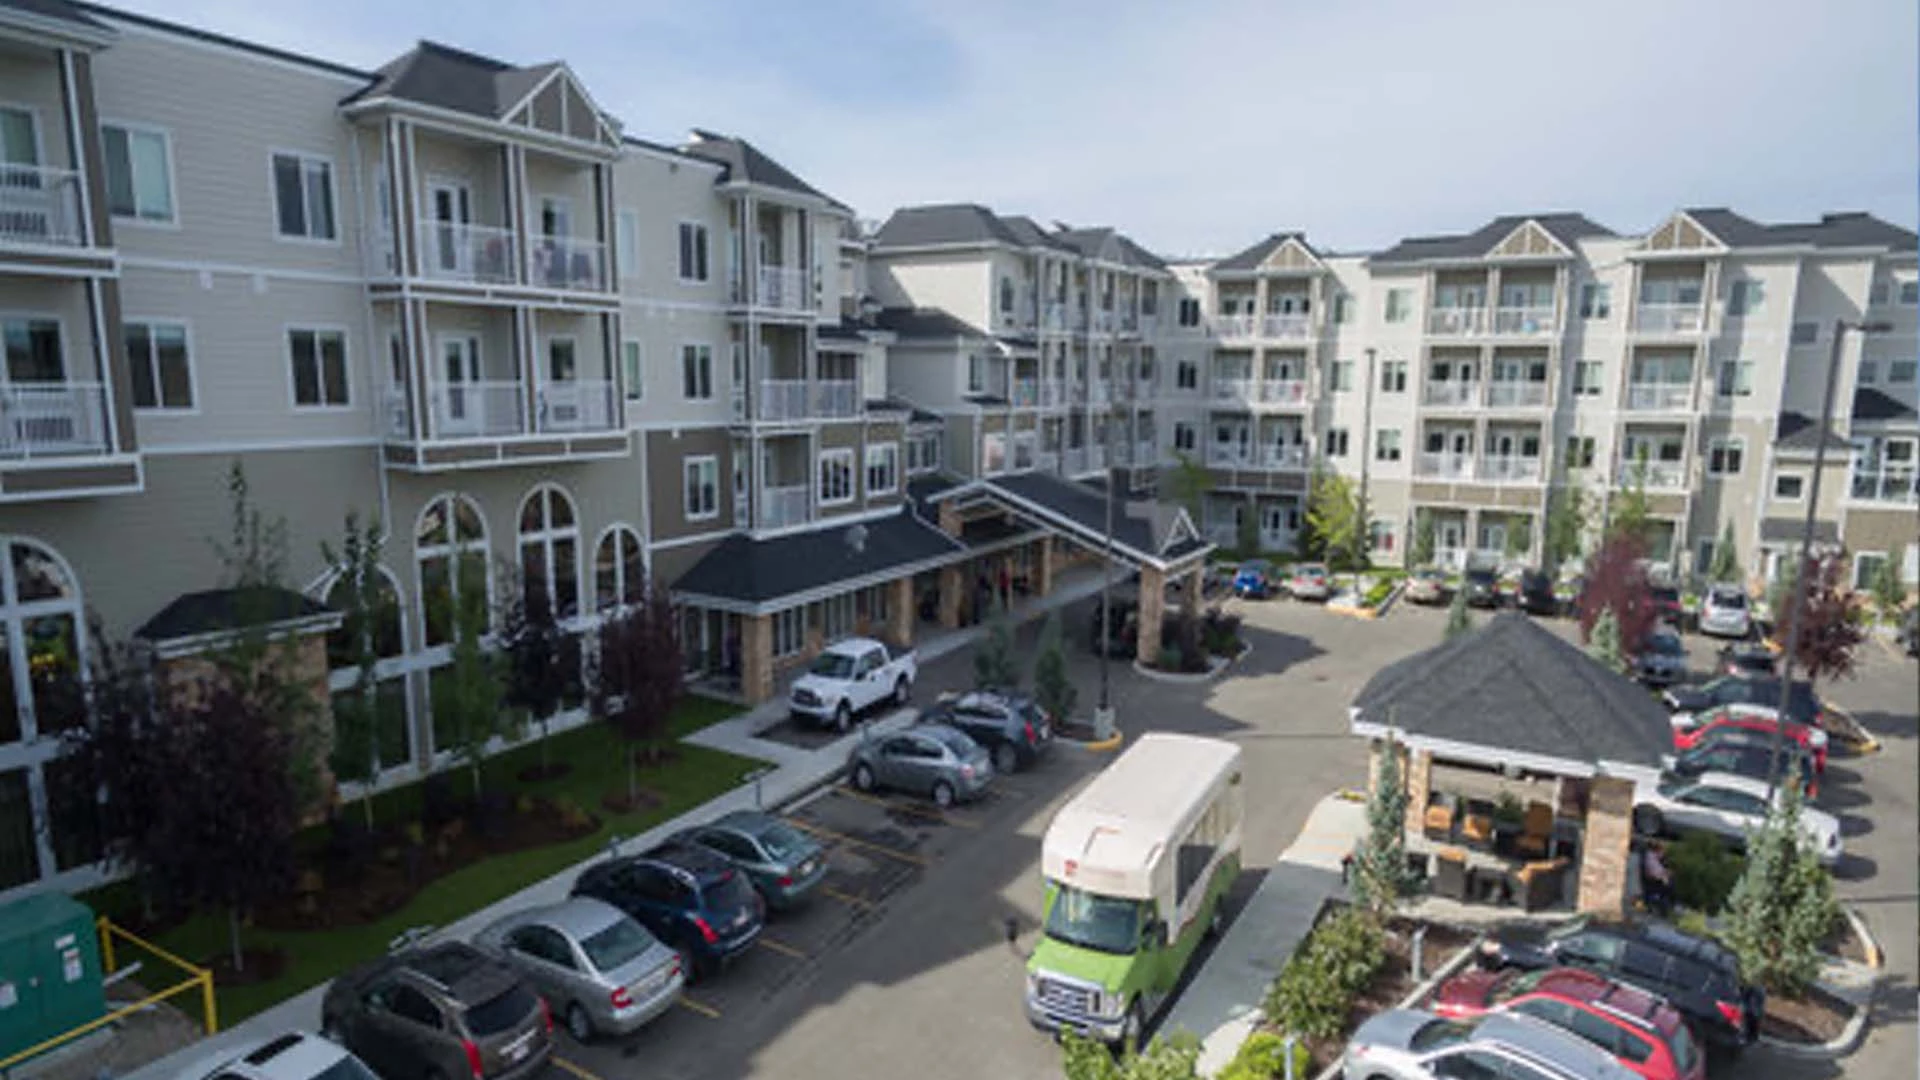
{"x": 1366, "y": 457}
{"x": 1103, "y": 712}
{"x": 1799, "y": 598}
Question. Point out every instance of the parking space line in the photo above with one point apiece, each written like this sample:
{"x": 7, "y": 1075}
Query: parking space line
{"x": 945, "y": 817}
{"x": 854, "y": 841}
{"x": 577, "y": 1071}
{"x": 700, "y": 1007}
{"x": 846, "y": 898}
{"x": 782, "y": 948}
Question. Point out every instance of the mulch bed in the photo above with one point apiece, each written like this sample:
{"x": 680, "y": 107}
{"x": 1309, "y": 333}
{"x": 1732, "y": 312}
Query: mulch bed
{"x": 342, "y": 888}
{"x": 1841, "y": 941}
{"x": 1394, "y": 981}
{"x": 1817, "y": 1018}
{"x": 256, "y": 966}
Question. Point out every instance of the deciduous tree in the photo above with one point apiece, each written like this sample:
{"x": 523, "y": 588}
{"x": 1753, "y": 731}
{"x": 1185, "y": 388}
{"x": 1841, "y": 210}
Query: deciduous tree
{"x": 355, "y": 754}
{"x": 1726, "y": 559}
{"x": 1420, "y": 549}
{"x": 1889, "y": 592}
{"x": 1632, "y": 511}
{"x": 1458, "y": 620}
{"x": 1617, "y": 582}
{"x": 467, "y": 695}
{"x": 1566, "y": 525}
{"x": 1051, "y": 685}
{"x": 1604, "y": 643}
{"x": 1187, "y": 484}
{"x": 1338, "y": 518}
{"x": 1831, "y": 621}
{"x": 639, "y": 675}
{"x": 535, "y": 653}
{"x": 993, "y": 660}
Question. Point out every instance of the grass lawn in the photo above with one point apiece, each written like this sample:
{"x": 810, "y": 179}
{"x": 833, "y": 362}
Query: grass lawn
{"x": 696, "y": 775}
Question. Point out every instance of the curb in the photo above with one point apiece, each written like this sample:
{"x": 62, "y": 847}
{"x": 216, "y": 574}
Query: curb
{"x": 1837, "y": 1047}
{"x": 1876, "y": 956}
{"x": 1104, "y": 746}
{"x": 1440, "y": 974}
{"x": 1183, "y": 678}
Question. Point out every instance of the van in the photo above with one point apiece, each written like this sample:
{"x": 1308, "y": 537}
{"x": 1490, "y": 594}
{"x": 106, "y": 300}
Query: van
{"x": 1134, "y": 869}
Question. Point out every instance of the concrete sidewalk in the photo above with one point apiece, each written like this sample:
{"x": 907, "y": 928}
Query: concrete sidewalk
{"x": 1222, "y": 1003}
{"x": 794, "y": 772}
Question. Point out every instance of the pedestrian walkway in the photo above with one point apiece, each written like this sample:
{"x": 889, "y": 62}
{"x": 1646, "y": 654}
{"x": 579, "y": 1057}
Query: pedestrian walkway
{"x": 792, "y": 773}
{"x": 1222, "y": 1003}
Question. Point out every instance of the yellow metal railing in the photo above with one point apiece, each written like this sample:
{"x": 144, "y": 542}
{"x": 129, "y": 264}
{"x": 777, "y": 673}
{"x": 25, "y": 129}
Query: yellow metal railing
{"x": 196, "y": 977}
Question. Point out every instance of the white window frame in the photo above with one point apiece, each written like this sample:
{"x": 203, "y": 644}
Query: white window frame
{"x": 885, "y": 456}
{"x": 700, "y": 472}
{"x": 1581, "y": 451}
{"x": 1185, "y": 437}
{"x": 1902, "y": 370}
{"x": 626, "y": 242}
{"x": 1906, "y": 290}
{"x": 702, "y": 355}
{"x": 1596, "y": 300}
{"x": 1869, "y": 372}
{"x": 1398, "y": 306}
{"x": 1722, "y": 445}
{"x": 1584, "y": 387}
{"x": 131, "y": 128}
{"x": 1386, "y": 444}
{"x": 976, "y": 373}
{"x": 1745, "y": 297}
{"x": 573, "y": 344}
{"x": 346, "y": 366}
{"x": 837, "y": 457}
{"x": 1860, "y": 580}
{"x": 1734, "y": 378}
{"x": 1345, "y": 442}
{"x": 789, "y": 631}
{"x": 1800, "y": 487}
{"x": 702, "y": 253}
{"x": 1393, "y": 377}
{"x": 633, "y": 377}
{"x": 1340, "y": 377}
{"x": 192, "y": 408}
{"x": 306, "y": 161}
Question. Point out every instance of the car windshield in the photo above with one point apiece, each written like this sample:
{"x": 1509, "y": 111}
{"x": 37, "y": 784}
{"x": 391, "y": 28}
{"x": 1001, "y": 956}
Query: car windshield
{"x": 619, "y": 942}
{"x": 1436, "y": 1034}
{"x": 1675, "y": 787}
{"x": 1732, "y": 601}
{"x": 500, "y": 1013}
{"x": 783, "y": 841}
{"x": 1519, "y": 985}
{"x": 1535, "y": 582}
{"x": 1310, "y": 570}
{"x": 347, "y": 1068}
{"x": 1680, "y": 1041}
{"x": 1033, "y": 714}
{"x": 1568, "y": 928}
{"x": 1106, "y": 924}
{"x": 1257, "y": 566}
{"x": 1480, "y": 577}
{"x": 831, "y": 665}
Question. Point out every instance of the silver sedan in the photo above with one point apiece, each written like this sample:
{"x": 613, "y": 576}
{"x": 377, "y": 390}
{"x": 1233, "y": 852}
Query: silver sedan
{"x": 600, "y": 971}
{"x": 1407, "y": 1044}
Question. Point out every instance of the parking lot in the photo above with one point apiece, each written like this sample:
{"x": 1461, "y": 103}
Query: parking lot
{"x": 901, "y": 963}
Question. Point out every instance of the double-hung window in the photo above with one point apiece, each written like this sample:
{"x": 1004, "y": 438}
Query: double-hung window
{"x": 702, "y": 487}
{"x": 1724, "y": 454}
{"x": 883, "y": 468}
{"x": 633, "y": 374}
{"x": 626, "y": 243}
{"x": 696, "y": 372}
{"x": 693, "y": 251}
{"x": 319, "y": 361}
{"x": 159, "y": 366}
{"x": 1736, "y": 378}
{"x": 139, "y": 173}
{"x": 836, "y": 476}
{"x": 303, "y": 196}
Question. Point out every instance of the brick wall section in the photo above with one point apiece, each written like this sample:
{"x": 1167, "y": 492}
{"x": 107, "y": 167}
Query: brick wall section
{"x": 1606, "y": 849}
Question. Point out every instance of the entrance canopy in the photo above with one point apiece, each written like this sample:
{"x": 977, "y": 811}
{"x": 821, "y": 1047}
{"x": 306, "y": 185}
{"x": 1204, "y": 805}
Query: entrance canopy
{"x": 1146, "y": 533}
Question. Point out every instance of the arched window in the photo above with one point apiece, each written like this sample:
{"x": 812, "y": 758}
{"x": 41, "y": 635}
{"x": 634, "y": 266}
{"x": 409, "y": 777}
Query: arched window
{"x": 42, "y": 660}
{"x": 392, "y": 735}
{"x": 450, "y": 543}
{"x": 383, "y": 622}
{"x": 619, "y": 577}
{"x": 550, "y": 548}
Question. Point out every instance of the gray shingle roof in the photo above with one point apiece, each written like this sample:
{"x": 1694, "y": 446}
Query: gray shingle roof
{"x": 1251, "y": 258}
{"x": 57, "y": 10}
{"x": 1790, "y": 530}
{"x": 1515, "y": 686}
{"x": 214, "y": 611}
{"x": 448, "y": 78}
{"x": 745, "y": 161}
{"x": 1031, "y": 234}
{"x": 1872, "y": 404}
{"x": 926, "y": 323}
{"x": 1142, "y": 529}
{"x": 946, "y": 223}
{"x": 1566, "y": 227}
{"x": 1839, "y": 230}
{"x": 1797, "y": 431}
{"x": 755, "y": 572}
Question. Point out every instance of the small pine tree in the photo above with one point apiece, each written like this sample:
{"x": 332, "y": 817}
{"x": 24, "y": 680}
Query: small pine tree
{"x": 1055, "y": 691}
{"x": 1726, "y": 561}
{"x": 1458, "y": 621}
{"x": 1247, "y": 533}
{"x": 1604, "y": 646}
{"x": 1782, "y": 907}
{"x": 469, "y": 694}
{"x": 993, "y": 661}
{"x": 1889, "y": 592}
{"x": 1420, "y": 551}
{"x": 1380, "y": 876}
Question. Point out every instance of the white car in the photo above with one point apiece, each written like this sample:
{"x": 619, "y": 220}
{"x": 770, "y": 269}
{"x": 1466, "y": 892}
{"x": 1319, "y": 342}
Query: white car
{"x": 1726, "y": 612}
{"x": 296, "y": 1055}
{"x": 849, "y": 678}
{"x": 1727, "y": 805}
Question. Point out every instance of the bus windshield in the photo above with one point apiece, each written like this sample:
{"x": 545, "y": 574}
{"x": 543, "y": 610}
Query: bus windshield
{"x": 1106, "y": 924}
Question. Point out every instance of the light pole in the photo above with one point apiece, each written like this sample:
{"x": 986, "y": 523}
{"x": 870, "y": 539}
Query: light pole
{"x": 1103, "y": 712}
{"x": 1800, "y": 573}
{"x": 1366, "y": 458}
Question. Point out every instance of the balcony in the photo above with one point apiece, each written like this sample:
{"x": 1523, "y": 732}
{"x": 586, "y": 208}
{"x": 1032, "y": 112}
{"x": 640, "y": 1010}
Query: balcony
{"x": 1103, "y": 322}
{"x": 1669, "y": 318}
{"x": 1511, "y": 470}
{"x": 1656, "y": 397}
{"x": 836, "y": 399}
{"x": 1524, "y": 321}
{"x": 1235, "y": 326}
{"x": 1145, "y": 452}
{"x": 475, "y": 410}
{"x": 783, "y": 399}
{"x": 1099, "y": 392}
{"x": 565, "y": 262}
{"x": 1096, "y": 458}
{"x": 1230, "y": 455}
{"x": 1047, "y": 461}
{"x": 783, "y": 506}
{"x": 1056, "y": 316}
{"x": 1074, "y": 461}
{"x": 1897, "y": 485}
{"x": 1283, "y": 391}
{"x": 53, "y": 419}
{"x": 783, "y": 288}
{"x": 1053, "y": 393}
{"x": 1129, "y": 323}
{"x": 1659, "y": 475}
{"x": 475, "y": 254}
{"x": 1516, "y": 394}
{"x": 1445, "y": 466}
{"x": 576, "y": 405}
{"x": 1287, "y": 327}
{"x": 1291, "y": 456}
{"x": 1233, "y": 388}
{"x": 1026, "y": 392}
{"x": 1456, "y": 322}
{"x": 40, "y": 206}
{"x": 1449, "y": 392}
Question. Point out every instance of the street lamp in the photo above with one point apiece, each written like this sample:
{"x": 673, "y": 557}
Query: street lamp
{"x": 1366, "y": 456}
{"x": 1103, "y": 712}
{"x": 1799, "y": 598}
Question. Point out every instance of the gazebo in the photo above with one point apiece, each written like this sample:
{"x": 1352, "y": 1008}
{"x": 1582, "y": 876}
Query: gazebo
{"x": 1512, "y": 711}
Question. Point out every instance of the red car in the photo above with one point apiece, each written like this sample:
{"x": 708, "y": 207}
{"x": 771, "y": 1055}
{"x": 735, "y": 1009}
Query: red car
{"x": 1802, "y": 735}
{"x": 1648, "y": 1035}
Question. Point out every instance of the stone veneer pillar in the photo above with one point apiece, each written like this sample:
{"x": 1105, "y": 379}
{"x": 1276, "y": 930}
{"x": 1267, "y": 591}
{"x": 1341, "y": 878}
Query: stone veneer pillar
{"x": 1607, "y": 846}
{"x": 1153, "y": 605}
{"x": 1418, "y": 769}
{"x": 756, "y": 658}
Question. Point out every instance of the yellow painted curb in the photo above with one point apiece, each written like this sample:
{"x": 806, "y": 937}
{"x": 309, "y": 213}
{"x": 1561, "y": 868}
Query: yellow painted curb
{"x": 1353, "y": 612}
{"x": 1106, "y": 746}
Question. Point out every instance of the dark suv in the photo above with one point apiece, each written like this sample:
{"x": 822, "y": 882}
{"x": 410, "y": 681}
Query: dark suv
{"x": 689, "y": 897}
{"x": 1537, "y": 596}
{"x": 1012, "y": 727}
{"x": 440, "y": 1011}
{"x": 1699, "y": 977}
{"x": 1482, "y": 587}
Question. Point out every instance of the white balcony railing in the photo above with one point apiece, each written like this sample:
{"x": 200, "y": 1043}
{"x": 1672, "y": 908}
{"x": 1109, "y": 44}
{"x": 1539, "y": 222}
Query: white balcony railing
{"x": 567, "y": 262}
{"x": 1096, "y": 458}
{"x": 1449, "y": 392}
{"x": 1669, "y": 318}
{"x": 576, "y": 405}
{"x": 1235, "y": 326}
{"x": 1103, "y": 322}
{"x": 1657, "y": 475}
{"x": 1053, "y": 392}
{"x": 1146, "y": 452}
{"x": 1288, "y": 327}
{"x": 781, "y": 506}
{"x": 1657, "y": 396}
{"x": 1283, "y": 391}
{"x": 1074, "y": 461}
{"x": 1047, "y": 461}
{"x": 480, "y": 254}
{"x": 1056, "y": 317}
{"x": 783, "y": 288}
{"x": 1456, "y": 321}
{"x": 1449, "y": 466}
{"x": 1524, "y": 321}
{"x": 783, "y": 399}
{"x": 471, "y": 410}
{"x": 1516, "y": 395}
{"x": 1026, "y": 392}
{"x": 1233, "y": 388}
{"x": 40, "y": 206}
{"x": 1891, "y": 484}
{"x": 1288, "y": 456}
{"x": 1510, "y": 469}
{"x": 1230, "y": 455}
{"x": 836, "y": 398}
{"x": 397, "y": 412}
{"x": 52, "y": 419}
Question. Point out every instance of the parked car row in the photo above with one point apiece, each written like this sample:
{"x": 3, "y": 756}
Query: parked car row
{"x": 1259, "y": 579}
{"x": 953, "y": 750}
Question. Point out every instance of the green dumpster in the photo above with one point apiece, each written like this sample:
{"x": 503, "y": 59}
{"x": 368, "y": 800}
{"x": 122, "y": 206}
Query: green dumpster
{"x": 50, "y": 977}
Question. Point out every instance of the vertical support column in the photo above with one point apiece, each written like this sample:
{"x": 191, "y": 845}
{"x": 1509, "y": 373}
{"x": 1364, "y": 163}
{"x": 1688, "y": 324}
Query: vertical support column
{"x": 1043, "y": 569}
{"x": 756, "y": 657}
{"x": 1418, "y": 770}
{"x": 901, "y": 611}
{"x": 1153, "y": 604}
{"x": 1607, "y": 846}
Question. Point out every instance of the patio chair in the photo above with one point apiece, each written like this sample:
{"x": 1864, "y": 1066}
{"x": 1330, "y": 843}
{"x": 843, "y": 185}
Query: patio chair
{"x": 1450, "y": 874}
{"x": 1439, "y": 821}
{"x": 1541, "y": 883}
{"x": 1477, "y": 829}
{"x": 1537, "y": 832}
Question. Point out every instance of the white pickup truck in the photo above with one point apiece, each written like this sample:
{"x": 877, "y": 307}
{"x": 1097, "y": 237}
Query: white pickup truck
{"x": 850, "y": 677}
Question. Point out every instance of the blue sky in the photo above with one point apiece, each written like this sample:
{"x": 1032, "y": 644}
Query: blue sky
{"x": 1201, "y": 131}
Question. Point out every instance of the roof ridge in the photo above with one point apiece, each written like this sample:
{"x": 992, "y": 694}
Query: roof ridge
{"x": 456, "y": 53}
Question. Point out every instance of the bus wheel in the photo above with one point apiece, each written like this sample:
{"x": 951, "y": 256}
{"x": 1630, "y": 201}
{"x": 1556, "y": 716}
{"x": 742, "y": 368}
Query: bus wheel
{"x": 1216, "y": 921}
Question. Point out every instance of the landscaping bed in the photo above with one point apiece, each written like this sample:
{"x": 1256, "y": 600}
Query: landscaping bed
{"x": 1813, "y": 1020}
{"x": 1843, "y": 942}
{"x": 1393, "y": 981}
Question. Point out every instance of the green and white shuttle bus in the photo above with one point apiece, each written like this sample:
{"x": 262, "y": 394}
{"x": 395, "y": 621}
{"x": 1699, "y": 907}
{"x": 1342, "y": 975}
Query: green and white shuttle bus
{"x": 1135, "y": 867}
